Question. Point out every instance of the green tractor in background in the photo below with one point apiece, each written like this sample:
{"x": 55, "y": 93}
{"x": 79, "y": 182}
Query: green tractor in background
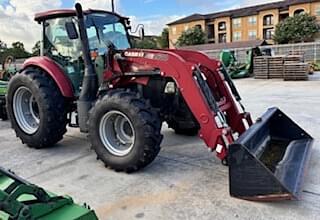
{"x": 9, "y": 68}
{"x": 3, "y": 91}
{"x": 236, "y": 70}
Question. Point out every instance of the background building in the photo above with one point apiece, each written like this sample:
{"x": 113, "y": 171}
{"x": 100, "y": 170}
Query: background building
{"x": 244, "y": 24}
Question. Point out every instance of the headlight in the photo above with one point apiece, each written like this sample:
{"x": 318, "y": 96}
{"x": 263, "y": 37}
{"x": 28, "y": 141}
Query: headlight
{"x": 170, "y": 88}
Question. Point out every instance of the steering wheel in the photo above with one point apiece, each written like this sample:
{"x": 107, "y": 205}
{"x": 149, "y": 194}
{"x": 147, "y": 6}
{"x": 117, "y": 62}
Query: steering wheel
{"x": 114, "y": 37}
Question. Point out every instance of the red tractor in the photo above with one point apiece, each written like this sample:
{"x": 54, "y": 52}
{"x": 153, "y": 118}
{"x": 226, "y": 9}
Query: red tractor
{"x": 88, "y": 77}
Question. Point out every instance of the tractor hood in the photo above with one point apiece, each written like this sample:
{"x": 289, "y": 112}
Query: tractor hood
{"x": 165, "y": 61}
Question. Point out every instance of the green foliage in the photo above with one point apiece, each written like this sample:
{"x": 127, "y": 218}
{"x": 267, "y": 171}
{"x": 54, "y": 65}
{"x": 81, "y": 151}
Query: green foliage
{"x": 299, "y": 28}
{"x": 146, "y": 43}
{"x": 36, "y": 49}
{"x": 192, "y": 36}
{"x": 3, "y": 46}
{"x": 16, "y": 50}
{"x": 18, "y": 45}
{"x": 164, "y": 38}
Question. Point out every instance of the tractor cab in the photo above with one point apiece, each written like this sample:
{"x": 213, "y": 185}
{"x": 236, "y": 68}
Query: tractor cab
{"x": 104, "y": 29}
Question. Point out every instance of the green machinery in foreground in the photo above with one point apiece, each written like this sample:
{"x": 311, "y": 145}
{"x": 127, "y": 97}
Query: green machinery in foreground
{"x": 20, "y": 200}
{"x": 235, "y": 69}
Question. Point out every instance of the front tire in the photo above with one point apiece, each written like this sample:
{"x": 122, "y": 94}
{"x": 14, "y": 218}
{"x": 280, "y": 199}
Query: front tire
{"x": 36, "y": 108}
{"x": 124, "y": 131}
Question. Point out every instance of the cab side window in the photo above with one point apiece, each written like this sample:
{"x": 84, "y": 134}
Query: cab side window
{"x": 57, "y": 43}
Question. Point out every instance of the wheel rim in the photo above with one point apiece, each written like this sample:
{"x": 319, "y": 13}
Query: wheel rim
{"x": 117, "y": 133}
{"x": 26, "y": 110}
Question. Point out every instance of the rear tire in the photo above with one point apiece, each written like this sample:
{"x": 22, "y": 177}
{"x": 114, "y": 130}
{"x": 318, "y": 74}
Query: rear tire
{"x": 180, "y": 128}
{"x": 183, "y": 122}
{"x": 36, "y": 108}
{"x": 124, "y": 131}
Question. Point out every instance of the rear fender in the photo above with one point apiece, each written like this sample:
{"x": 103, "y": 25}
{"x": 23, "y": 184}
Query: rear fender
{"x": 55, "y": 72}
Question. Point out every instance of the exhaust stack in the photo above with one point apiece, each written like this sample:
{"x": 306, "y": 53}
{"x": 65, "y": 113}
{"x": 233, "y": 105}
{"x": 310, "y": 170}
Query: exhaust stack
{"x": 90, "y": 80}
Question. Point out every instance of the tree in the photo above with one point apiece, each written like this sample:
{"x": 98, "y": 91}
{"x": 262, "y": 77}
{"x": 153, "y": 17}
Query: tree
{"x": 18, "y": 45}
{"x": 36, "y": 49}
{"x": 146, "y": 43}
{"x": 164, "y": 38}
{"x": 3, "y": 46}
{"x": 17, "y": 51}
{"x": 193, "y": 36}
{"x": 299, "y": 28}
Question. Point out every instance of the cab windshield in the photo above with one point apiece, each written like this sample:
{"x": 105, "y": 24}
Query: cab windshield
{"x": 104, "y": 30}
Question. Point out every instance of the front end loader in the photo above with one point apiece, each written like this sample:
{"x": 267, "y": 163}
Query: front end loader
{"x": 21, "y": 200}
{"x": 88, "y": 76}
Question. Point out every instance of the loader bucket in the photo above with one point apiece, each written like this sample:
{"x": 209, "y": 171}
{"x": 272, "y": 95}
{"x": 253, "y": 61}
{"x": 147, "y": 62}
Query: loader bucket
{"x": 269, "y": 160}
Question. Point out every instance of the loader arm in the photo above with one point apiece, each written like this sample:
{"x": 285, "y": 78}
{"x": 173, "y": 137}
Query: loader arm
{"x": 218, "y": 75}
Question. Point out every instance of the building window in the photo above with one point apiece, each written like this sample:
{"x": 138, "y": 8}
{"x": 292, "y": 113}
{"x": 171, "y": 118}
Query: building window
{"x": 253, "y": 20}
{"x": 318, "y": 10}
{"x": 237, "y": 36}
{"x": 268, "y": 20}
{"x": 222, "y": 38}
{"x": 268, "y": 33}
{"x": 199, "y": 26}
{"x": 252, "y": 35}
{"x": 222, "y": 26}
{"x": 174, "y": 30}
{"x": 283, "y": 17}
{"x": 236, "y": 23}
{"x": 211, "y": 31}
{"x": 299, "y": 12}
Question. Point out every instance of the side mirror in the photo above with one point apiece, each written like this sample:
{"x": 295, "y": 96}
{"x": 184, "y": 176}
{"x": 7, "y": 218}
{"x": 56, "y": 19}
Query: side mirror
{"x": 72, "y": 31}
{"x": 141, "y": 33}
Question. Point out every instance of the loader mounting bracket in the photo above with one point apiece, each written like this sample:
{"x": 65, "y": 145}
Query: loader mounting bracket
{"x": 22, "y": 200}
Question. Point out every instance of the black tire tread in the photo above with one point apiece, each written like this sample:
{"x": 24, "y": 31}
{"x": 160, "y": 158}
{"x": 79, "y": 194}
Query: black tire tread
{"x": 183, "y": 121}
{"x": 54, "y": 105}
{"x": 178, "y": 129}
{"x": 150, "y": 122}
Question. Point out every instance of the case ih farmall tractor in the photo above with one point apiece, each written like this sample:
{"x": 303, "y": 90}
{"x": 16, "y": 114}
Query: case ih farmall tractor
{"x": 121, "y": 97}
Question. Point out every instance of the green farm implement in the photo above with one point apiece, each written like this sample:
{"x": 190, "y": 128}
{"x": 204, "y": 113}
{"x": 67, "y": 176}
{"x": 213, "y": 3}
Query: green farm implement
{"x": 9, "y": 68}
{"x": 235, "y": 69}
{"x": 3, "y": 91}
{"x": 21, "y": 200}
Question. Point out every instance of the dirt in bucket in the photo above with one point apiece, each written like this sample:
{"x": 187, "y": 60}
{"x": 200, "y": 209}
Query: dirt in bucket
{"x": 274, "y": 153}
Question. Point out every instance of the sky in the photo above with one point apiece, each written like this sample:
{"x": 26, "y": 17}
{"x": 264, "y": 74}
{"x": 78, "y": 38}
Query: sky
{"x": 17, "y": 24}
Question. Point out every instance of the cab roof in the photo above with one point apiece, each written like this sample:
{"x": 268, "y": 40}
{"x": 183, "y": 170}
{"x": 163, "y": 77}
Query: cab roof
{"x": 39, "y": 17}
